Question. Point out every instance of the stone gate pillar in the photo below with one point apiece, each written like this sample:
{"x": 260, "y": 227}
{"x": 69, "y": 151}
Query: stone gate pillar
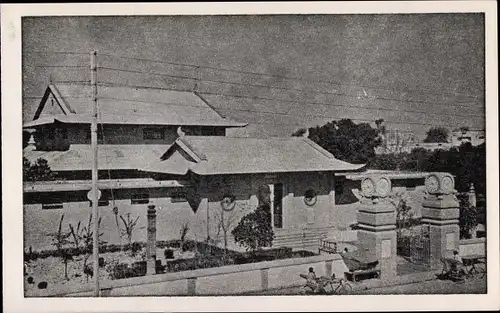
{"x": 151, "y": 241}
{"x": 440, "y": 210}
{"x": 377, "y": 224}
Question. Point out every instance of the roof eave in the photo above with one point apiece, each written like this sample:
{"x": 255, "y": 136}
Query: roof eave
{"x": 208, "y": 173}
{"x": 40, "y": 122}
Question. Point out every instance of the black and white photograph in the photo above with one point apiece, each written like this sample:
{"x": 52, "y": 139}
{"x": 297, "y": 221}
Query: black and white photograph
{"x": 280, "y": 155}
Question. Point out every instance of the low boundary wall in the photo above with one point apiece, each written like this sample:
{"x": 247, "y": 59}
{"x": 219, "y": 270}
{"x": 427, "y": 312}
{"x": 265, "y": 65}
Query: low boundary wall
{"x": 474, "y": 246}
{"x": 225, "y": 280}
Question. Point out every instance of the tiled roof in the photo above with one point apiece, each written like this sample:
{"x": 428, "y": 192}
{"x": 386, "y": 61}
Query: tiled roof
{"x": 203, "y": 155}
{"x": 226, "y": 155}
{"x": 114, "y": 157}
{"x": 128, "y": 105}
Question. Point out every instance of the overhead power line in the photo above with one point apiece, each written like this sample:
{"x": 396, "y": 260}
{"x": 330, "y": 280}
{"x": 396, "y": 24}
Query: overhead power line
{"x": 62, "y": 66}
{"x": 258, "y": 111}
{"x": 263, "y": 98}
{"x": 281, "y": 88}
{"x": 288, "y": 89}
{"x": 60, "y": 52}
{"x": 445, "y": 93}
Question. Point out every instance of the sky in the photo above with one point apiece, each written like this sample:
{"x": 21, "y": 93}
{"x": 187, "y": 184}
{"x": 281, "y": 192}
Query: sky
{"x": 415, "y": 71}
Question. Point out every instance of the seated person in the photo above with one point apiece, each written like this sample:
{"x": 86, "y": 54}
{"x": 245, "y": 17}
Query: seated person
{"x": 453, "y": 264}
{"x": 458, "y": 264}
{"x": 312, "y": 281}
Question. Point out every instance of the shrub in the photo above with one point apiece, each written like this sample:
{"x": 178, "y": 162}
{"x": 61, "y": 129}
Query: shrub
{"x": 118, "y": 270}
{"x": 468, "y": 219}
{"x": 39, "y": 171}
{"x": 189, "y": 246}
{"x": 254, "y": 230}
{"x": 169, "y": 253}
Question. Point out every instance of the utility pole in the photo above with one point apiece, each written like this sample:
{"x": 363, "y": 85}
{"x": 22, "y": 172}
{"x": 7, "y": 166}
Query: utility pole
{"x": 94, "y": 191}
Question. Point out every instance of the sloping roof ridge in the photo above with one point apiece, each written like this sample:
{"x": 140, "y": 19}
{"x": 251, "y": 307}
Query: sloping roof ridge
{"x": 197, "y": 94}
{"x": 77, "y": 145}
{"x": 318, "y": 147}
{"x": 190, "y": 149}
{"x": 51, "y": 89}
{"x": 64, "y": 105}
{"x": 242, "y": 137}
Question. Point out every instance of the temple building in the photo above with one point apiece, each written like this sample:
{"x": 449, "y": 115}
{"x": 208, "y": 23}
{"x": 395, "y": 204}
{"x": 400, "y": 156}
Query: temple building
{"x": 171, "y": 149}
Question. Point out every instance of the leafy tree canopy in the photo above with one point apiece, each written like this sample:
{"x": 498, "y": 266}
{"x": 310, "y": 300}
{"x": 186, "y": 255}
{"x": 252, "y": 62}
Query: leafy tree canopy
{"x": 39, "y": 171}
{"x": 437, "y": 134}
{"x": 346, "y": 140}
{"x": 467, "y": 163}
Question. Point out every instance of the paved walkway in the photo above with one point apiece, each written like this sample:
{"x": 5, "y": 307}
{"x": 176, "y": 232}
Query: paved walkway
{"x": 469, "y": 286}
{"x": 417, "y": 283}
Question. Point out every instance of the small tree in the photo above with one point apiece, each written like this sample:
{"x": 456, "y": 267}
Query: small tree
{"x": 254, "y": 231}
{"x": 437, "y": 134}
{"x": 183, "y": 233}
{"x": 129, "y": 225}
{"x": 404, "y": 214}
{"x": 84, "y": 236}
{"x": 225, "y": 221}
{"x": 60, "y": 241}
{"x": 117, "y": 223}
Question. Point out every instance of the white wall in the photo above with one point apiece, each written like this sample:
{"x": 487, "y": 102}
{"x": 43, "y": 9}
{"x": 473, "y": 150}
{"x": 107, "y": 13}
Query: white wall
{"x": 171, "y": 216}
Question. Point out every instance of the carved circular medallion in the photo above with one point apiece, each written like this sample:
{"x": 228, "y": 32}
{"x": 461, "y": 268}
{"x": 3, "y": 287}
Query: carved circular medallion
{"x": 447, "y": 184}
{"x": 432, "y": 184}
{"x": 310, "y": 197}
{"x": 228, "y": 203}
{"x": 367, "y": 187}
{"x": 383, "y": 187}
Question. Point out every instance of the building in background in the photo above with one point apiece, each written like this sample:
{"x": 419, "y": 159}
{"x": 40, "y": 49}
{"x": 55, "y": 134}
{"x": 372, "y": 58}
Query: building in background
{"x": 475, "y": 137}
{"x": 395, "y": 141}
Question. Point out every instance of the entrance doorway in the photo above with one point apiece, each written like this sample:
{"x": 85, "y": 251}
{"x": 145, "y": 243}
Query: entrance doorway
{"x": 271, "y": 197}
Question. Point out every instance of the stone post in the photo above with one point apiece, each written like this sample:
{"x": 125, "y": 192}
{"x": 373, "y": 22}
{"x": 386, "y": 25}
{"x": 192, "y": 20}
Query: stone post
{"x": 377, "y": 225}
{"x": 440, "y": 210}
{"x": 472, "y": 195}
{"x": 151, "y": 241}
{"x": 31, "y": 142}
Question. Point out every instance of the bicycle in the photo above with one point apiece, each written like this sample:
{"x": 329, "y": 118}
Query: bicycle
{"x": 328, "y": 286}
{"x": 474, "y": 270}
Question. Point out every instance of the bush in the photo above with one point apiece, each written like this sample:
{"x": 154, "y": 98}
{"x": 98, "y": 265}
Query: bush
{"x": 122, "y": 270}
{"x": 169, "y": 253}
{"x": 42, "y": 285}
{"x": 189, "y": 246}
{"x": 73, "y": 252}
{"x": 468, "y": 219}
{"x": 254, "y": 230}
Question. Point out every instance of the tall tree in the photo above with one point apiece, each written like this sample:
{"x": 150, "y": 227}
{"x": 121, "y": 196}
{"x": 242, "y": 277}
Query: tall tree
{"x": 437, "y": 134}
{"x": 346, "y": 140}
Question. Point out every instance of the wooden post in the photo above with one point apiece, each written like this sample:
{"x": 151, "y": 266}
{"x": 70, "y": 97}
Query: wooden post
{"x": 93, "y": 131}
